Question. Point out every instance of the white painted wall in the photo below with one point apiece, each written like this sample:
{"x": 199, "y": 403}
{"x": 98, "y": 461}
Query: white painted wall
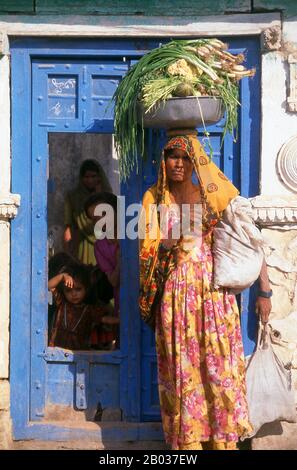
{"x": 4, "y": 224}
{"x": 278, "y": 125}
{"x": 4, "y": 124}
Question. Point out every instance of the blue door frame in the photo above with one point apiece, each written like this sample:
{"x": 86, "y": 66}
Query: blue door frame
{"x": 28, "y": 262}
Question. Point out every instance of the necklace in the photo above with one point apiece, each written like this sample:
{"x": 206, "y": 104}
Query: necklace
{"x": 78, "y": 322}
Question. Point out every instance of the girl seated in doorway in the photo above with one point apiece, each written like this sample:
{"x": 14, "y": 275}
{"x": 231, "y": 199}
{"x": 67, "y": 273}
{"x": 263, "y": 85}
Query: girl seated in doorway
{"x": 107, "y": 250}
{"x": 74, "y": 316}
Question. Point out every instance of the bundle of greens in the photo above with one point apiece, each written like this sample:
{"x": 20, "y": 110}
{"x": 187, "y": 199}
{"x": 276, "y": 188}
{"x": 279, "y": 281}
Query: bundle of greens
{"x": 182, "y": 68}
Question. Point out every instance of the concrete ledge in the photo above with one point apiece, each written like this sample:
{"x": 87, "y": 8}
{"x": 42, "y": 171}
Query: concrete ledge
{"x": 244, "y": 24}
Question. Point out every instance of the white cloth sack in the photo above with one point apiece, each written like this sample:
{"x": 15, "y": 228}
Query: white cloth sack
{"x": 269, "y": 393}
{"x": 237, "y": 247}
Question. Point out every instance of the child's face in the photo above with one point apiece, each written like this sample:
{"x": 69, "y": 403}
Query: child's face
{"x": 76, "y": 294}
{"x": 111, "y": 225}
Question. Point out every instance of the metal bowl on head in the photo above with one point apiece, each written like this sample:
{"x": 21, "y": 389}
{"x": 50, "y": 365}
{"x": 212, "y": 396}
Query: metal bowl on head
{"x": 182, "y": 112}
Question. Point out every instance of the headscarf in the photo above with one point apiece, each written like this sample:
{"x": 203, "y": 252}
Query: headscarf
{"x": 216, "y": 191}
{"x": 74, "y": 211}
{"x": 79, "y": 195}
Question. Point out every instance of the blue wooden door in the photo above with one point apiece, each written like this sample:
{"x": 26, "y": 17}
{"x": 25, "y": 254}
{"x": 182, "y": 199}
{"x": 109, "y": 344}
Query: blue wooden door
{"x": 240, "y": 162}
{"x": 68, "y": 96}
{"x": 63, "y": 87}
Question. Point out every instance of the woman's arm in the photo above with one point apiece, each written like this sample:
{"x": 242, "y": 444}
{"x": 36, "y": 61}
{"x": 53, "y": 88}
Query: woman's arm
{"x": 106, "y": 264}
{"x": 67, "y": 220}
{"x": 263, "y": 304}
{"x": 67, "y": 234}
{"x": 114, "y": 277}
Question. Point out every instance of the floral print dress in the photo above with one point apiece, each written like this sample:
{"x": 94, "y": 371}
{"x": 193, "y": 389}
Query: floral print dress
{"x": 201, "y": 368}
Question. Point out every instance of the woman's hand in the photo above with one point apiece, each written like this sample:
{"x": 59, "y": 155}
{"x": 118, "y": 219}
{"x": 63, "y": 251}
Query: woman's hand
{"x": 67, "y": 235}
{"x": 263, "y": 308}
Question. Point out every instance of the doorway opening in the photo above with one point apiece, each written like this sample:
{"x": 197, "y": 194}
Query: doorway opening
{"x": 81, "y": 166}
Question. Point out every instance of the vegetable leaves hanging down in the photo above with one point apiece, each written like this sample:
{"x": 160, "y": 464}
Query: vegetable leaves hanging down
{"x": 200, "y": 67}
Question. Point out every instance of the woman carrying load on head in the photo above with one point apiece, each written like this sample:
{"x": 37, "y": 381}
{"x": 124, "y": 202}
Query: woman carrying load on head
{"x": 201, "y": 368}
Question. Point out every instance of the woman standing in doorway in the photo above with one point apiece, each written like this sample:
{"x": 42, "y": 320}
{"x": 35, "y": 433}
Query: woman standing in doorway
{"x": 79, "y": 236}
{"x": 201, "y": 368}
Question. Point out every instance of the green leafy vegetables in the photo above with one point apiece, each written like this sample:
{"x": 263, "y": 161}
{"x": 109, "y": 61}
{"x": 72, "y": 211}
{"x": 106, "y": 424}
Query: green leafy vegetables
{"x": 200, "y": 67}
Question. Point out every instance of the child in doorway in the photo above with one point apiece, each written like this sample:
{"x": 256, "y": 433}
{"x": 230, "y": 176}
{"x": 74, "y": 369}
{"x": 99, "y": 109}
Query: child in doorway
{"x": 107, "y": 250}
{"x": 74, "y": 316}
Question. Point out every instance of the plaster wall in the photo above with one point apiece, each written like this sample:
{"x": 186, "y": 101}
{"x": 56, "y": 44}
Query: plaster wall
{"x": 4, "y": 224}
{"x": 278, "y": 124}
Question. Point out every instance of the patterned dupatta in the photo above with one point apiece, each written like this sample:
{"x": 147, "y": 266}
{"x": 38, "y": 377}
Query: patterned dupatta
{"x": 216, "y": 191}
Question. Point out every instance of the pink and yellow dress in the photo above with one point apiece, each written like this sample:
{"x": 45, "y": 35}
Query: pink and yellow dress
{"x": 201, "y": 368}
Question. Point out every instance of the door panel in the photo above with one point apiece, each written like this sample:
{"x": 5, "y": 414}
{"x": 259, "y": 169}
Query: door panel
{"x": 68, "y": 97}
{"x": 75, "y": 96}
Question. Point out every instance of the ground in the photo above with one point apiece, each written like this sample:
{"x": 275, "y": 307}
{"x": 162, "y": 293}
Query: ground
{"x": 91, "y": 445}
{"x": 86, "y": 445}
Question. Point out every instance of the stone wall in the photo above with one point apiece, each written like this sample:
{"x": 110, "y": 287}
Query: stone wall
{"x": 277, "y": 205}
